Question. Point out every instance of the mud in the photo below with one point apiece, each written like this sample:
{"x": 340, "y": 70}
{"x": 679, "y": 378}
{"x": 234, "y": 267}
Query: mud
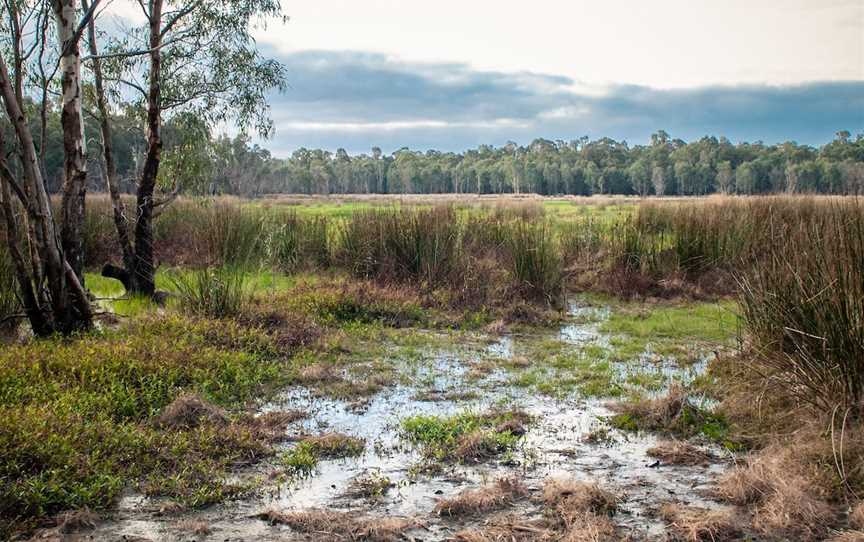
{"x": 568, "y": 438}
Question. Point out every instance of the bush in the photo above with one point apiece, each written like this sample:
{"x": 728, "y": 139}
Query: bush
{"x": 296, "y": 242}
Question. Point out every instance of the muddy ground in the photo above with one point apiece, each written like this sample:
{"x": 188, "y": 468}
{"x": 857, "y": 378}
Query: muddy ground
{"x": 568, "y": 437}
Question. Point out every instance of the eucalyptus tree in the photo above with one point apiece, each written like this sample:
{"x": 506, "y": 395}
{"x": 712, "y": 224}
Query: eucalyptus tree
{"x": 47, "y": 262}
{"x": 186, "y": 56}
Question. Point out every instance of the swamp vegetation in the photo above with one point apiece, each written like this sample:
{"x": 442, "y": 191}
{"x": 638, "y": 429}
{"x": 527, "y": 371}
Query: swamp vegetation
{"x": 508, "y": 369}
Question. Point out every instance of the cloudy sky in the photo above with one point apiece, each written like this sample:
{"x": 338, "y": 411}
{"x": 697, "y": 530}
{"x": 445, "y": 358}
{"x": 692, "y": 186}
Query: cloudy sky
{"x": 453, "y": 74}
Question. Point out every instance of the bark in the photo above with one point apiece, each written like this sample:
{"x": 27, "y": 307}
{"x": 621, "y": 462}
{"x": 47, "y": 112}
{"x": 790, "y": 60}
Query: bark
{"x": 32, "y": 306}
{"x": 120, "y": 222}
{"x": 70, "y": 308}
{"x": 144, "y": 268}
{"x": 74, "y": 150}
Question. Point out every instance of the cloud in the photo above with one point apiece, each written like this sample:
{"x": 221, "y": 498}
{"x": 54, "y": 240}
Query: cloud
{"x": 357, "y": 100}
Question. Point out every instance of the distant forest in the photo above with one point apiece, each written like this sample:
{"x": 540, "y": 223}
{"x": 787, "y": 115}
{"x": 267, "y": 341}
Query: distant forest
{"x": 198, "y": 163}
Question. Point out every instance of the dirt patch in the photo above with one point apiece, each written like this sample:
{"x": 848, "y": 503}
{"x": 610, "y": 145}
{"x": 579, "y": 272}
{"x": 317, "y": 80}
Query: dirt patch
{"x": 677, "y": 452}
{"x": 189, "y": 411}
{"x": 510, "y": 528}
{"x": 327, "y": 525}
{"x": 495, "y": 496}
{"x": 694, "y": 524}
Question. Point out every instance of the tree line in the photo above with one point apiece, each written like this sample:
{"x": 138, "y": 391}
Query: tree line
{"x": 197, "y": 162}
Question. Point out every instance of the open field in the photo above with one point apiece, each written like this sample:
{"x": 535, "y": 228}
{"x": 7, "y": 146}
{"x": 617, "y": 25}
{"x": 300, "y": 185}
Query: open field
{"x": 453, "y": 368}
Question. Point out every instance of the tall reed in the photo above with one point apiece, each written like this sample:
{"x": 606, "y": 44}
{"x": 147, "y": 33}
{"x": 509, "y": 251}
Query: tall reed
{"x": 215, "y": 292}
{"x": 802, "y": 302}
{"x": 409, "y": 245}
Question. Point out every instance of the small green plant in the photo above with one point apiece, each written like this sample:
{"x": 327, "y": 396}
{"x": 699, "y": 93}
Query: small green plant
{"x": 300, "y": 461}
{"x": 465, "y": 437}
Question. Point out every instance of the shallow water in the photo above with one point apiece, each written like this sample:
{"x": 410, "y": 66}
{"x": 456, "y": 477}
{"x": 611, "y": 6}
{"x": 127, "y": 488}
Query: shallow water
{"x": 555, "y": 445}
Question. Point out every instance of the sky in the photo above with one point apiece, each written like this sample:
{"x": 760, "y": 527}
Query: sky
{"x": 454, "y": 74}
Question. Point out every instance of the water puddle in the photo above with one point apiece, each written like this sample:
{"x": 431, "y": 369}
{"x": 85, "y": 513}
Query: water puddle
{"x": 561, "y": 442}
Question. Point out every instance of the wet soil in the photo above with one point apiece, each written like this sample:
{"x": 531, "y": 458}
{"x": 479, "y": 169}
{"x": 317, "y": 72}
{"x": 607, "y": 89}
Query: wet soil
{"x": 568, "y": 438}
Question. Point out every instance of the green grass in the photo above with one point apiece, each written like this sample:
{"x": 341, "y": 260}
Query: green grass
{"x": 444, "y": 438}
{"x": 669, "y": 329}
{"x": 75, "y": 414}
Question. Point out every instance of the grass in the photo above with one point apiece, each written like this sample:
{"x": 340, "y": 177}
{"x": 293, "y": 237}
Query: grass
{"x": 666, "y": 329}
{"x": 465, "y": 438}
{"x": 803, "y": 307}
{"x": 75, "y": 414}
{"x": 302, "y": 459}
{"x": 218, "y": 292}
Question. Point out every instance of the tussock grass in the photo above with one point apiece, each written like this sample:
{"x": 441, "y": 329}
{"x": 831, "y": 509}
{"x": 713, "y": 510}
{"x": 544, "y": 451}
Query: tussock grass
{"x": 694, "y": 524}
{"x": 677, "y": 452}
{"x": 215, "y": 292}
{"x": 328, "y": 525}
{"x": 803, "y": 307}
{"x": 673, "y": 413}
{"x": 467, "y": 437}
{"x": 786, "y": 495}
{"x": 482, "y": 500}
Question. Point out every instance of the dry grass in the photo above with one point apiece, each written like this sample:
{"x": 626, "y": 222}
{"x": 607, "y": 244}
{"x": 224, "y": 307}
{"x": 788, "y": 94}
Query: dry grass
{"x": 659, "y": 414}
{"x": 693, "y": 524}
{"x": 847, "y": 536}
{"x": 477, "y": 447}
{"x": 317, "y": 373}
{"x": 327, "y": 525}
{"x": 509, "y": 528}
{"x": 678, "y": 452}
{"x": 856, "y": 516}
{"x": 270, "y": 426}
{"x": 368, "y": 486}
{"x": 501, "y": 494}
{"x": 784, "y": 494}
{"x": 189, "y": 411}
{"x": 570, "y": 500}
{"x": 76, "y": 520}
{"x": 195, "y": 527}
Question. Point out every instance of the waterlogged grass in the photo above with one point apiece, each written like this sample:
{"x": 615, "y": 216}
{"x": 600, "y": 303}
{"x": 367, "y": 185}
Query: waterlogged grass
{"x": 464, "y": 437}
{"x": 301, "y": 460}
{"x": 670, "y": 330}
{"x": 76, "y": 415}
